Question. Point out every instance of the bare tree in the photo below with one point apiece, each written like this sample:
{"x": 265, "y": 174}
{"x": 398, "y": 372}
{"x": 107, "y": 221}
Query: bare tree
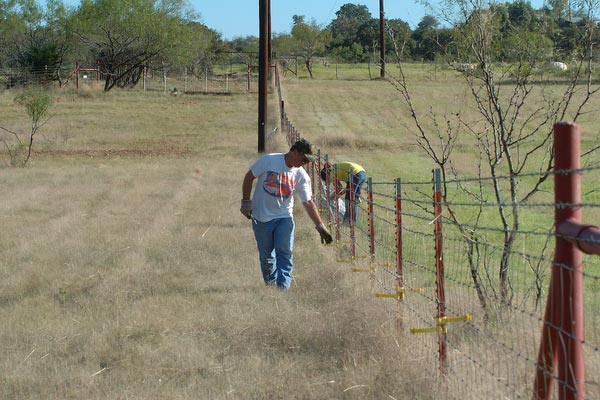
{"x": 511, "y": 127}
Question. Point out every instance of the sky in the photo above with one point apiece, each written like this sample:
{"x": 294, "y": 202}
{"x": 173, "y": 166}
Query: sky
{"x": 238, "y": 18}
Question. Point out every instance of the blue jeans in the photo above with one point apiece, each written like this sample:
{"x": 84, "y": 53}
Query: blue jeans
{"x": 358, "y": 181}
{"x": 275, "y": 242}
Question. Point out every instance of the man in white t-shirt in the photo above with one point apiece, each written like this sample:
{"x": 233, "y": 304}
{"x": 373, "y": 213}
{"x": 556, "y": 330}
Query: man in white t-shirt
{"x": 279, "y": 176}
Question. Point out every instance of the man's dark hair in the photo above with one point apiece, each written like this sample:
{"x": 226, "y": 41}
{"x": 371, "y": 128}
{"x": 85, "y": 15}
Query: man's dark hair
{"x": 303, "y": 146}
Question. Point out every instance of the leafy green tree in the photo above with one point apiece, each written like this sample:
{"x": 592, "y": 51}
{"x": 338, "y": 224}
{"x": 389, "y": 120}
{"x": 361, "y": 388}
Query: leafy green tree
{"x": 353, "y": 25}
{"x": 310, "y": 40}
{"x": 244, "y": 44}
{"x": 244, "y": 49}
{"x": 523, "y": 46}
{"x": 400, "y": 37}
{"x": 11, "y": 25}
{"x": 520, "y": 13}
{"x": 559, "y": 9}
{"x": 569, "y": 37}
{"x": 428, "y": 22}
{"x": 32, "y": 38}
{"x": 430, "y": 41}
{"x": 518, "y": 34}
{"x": 28, "y": 41}
{"x": 199, "y": 50}
{"x": 355, "y": 53}
{"x": 283, "y": 45}
{"x": 128, "y": 35}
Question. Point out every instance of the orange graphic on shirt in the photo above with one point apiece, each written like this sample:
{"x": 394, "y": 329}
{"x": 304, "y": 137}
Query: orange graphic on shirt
{"x": 280, "y": 185}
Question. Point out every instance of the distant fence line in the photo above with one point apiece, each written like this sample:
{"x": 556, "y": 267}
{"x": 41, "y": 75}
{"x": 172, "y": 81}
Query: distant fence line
{"x": 442, "y": 286}
{"x": 231, "y": 78}
{"x": 219, "y": 79}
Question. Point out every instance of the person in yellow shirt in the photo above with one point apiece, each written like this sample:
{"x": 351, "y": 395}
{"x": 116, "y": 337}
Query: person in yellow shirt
{"x": 347, "y": 171}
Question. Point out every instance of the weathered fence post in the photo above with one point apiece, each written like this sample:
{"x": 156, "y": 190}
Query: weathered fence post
{"x": 249, "y": 76}
{"x": 77, "y": 75}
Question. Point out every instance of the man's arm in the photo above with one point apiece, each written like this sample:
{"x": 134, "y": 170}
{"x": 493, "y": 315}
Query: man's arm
{"x": 247, "y": 185}
{"x": 313, "y": 213}
{"x": 340, "y": 189}
{"x": 246, "y": 204}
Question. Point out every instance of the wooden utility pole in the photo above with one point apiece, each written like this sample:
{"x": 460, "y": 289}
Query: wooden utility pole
{"x": 263, "y": 71}
{"x": 270, "y": 47}
{"x": 382, "y": 38}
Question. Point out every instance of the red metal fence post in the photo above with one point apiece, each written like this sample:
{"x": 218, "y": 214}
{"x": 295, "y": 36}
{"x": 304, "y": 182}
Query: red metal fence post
{"x": 399, "y": 271}
{"x": 561, "y": 344}
{"x": 371, "y": 220}
{"x": 399, "y": 276}
{"x": 351, "y": 213}
{"x": 371, "y": 229}
{"x": 336, "y": 189}
{"x": 568, "y": 316}
{"x": 311, "y": 168}
{"x": 439, "y": 264}
{"x": 318, "y": 178}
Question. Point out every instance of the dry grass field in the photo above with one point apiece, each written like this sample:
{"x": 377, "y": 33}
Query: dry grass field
{"x": 127, "y": 271}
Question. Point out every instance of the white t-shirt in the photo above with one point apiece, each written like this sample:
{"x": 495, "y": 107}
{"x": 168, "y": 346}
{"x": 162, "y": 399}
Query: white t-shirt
{"x": 275, "y": 187}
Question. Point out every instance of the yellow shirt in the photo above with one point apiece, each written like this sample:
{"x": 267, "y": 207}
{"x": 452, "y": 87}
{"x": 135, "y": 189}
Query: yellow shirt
{"x": 345, "y": 168}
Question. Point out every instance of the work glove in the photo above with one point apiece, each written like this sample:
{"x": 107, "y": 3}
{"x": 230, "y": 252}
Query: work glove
{"x": 325, "y": 235}
{"x": 246, "y": 208}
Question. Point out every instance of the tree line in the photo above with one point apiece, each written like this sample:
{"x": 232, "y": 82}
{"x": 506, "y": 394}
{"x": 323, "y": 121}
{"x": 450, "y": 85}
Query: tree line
{"x": 517, "y": 31}
{"x": 124, "y": 37}
{"x": 121, "y": 37}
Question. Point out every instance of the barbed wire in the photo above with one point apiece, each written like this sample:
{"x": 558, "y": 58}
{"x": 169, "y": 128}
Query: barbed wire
{"x": 502, "y": 310}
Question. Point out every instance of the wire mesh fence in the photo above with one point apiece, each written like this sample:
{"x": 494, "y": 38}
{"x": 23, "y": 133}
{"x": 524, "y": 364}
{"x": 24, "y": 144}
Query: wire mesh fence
{"x": 222, "y": 79}
{"x": 215, "y": 79}
{"x": 469, "y": 295}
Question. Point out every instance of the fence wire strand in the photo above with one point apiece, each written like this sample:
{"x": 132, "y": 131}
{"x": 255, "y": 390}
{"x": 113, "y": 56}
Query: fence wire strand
{"x": 496, "y": 320}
